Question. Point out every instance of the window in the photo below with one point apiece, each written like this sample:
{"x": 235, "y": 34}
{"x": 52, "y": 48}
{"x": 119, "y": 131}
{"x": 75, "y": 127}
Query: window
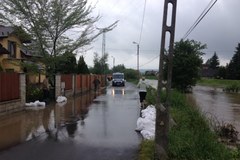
{"x": 12, "y": 48}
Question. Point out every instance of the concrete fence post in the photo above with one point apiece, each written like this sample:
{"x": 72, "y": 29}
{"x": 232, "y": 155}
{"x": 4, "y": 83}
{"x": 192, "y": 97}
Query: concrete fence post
{"x": 74, "y": 84}
{"x": 57, "y": 85}
{"x": 23, "y": 88}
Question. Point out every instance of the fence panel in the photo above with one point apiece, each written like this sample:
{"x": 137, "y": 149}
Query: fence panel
{"x": 84, "y": 82}
{"x": 9, "y": 86}
{"x": 67, "y": 78}
{"x": 78, "y": 81}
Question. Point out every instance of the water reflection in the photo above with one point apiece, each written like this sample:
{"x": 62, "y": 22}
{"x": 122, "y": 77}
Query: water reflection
{"x": 214, "y": 102}
{"x": 118, "y": 91}
{"x": 55, "y": 121}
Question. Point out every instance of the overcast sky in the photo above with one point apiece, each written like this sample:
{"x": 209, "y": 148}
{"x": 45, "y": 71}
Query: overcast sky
{"x": 220, "y": 29}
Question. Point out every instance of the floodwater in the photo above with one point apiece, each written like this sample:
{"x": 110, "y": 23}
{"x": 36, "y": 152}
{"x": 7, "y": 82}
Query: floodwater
{"x": 217, "y": 105}
{"x": 24, "y": 126}
{"x": 89, "y": 126}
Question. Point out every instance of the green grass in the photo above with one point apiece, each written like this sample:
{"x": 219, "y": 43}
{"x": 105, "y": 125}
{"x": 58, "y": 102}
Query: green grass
{"x": 134, "y": 81}
{"x": 151, "y": 77}
{"x": 146, "y": 150}
{"x": 191, "y": 138}
{"x": 217, "y": 82}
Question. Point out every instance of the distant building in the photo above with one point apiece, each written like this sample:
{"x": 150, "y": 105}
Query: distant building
{"x": 208, "y": 72}
{"x": 151, "y": 73}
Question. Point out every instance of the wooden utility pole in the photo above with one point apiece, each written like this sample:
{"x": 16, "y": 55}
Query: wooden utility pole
{"x": 162, "y": 106}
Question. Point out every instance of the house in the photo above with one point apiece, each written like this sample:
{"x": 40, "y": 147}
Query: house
{"x": 13, "y": 53}
{"x": 208, "y": 72}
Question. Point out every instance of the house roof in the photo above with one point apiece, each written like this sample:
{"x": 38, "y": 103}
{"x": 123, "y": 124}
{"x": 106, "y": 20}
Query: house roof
{"x": 5, "y": 31}
{"x": 3, "y": 50}
{"x": 27, "y": 53}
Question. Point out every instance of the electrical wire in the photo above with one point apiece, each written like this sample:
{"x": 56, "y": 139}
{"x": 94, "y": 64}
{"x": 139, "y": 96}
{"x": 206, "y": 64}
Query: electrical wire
{"x": 150, "y": 61}
{"x": 143, "y": 17}
{"x": 199, "y": 19}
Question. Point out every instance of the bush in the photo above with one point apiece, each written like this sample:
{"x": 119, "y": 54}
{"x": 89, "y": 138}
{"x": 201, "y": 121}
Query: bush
{"x": 233, "y": 87}
{"x": 33, "y": 93}
{"x": 131, "y": 74}
{"x": 1, "y": 69}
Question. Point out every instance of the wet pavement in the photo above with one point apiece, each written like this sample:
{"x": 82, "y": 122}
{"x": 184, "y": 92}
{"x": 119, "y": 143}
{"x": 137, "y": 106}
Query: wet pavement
{"x": 85, "y": 128}
{"x": 217, "y": 105}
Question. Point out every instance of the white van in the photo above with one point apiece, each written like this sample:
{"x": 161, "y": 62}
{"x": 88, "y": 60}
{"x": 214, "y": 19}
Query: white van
{"x": 118, "y": 79}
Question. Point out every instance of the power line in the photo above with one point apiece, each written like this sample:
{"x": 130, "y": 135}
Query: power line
{"x": 150, "y": 61}
{"x": 144, "y": 9}
{"x": 199, "y": 19}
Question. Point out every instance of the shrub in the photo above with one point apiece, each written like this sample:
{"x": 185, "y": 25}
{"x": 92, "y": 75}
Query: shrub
{"x": 1, "y": 69}
{"x": 33, "y": 93}
{"x": 131, "y": 74}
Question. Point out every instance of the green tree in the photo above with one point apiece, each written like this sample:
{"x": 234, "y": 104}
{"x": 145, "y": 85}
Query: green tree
{"x": 66, "y": 63}
{"x": 49, "y": 23}
{"x": 233, "y": 69}
{"x": 131, "y": 74}
{"x": 119, "y": 68}
{"x": 100, "y": 64}
{"x": 214, "y": 61}
{"x": 186, "y": 63}
{"x": 222, "y": 72}
{"x": 82, "y": 66}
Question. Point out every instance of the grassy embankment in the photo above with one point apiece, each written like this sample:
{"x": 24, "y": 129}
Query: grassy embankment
{"x": 191, "y": 138}
{"x": 228, "y": 85}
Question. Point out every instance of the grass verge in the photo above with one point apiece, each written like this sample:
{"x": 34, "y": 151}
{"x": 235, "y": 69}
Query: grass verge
{"x": 191, "y": 138}
{"x": 223, "y": 83}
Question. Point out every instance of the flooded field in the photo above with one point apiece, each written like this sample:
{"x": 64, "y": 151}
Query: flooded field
{"x": 215, "y": 103}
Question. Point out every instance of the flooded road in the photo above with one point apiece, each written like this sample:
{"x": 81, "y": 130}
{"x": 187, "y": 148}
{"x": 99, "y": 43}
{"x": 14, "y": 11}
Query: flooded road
{"x": 86, "y": 127}
{"x": 213, "y": 102}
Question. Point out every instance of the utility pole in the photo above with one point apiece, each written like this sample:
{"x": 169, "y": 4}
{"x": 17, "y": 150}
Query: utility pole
{"x": 162, "y": 107}
{"x": 137, "y": 57}
{"x": 103, "y": 31}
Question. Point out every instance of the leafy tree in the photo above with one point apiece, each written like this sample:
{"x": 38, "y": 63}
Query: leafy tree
{"x": 82, "y": 66}
{"x": 186, "y": 63}
{"x": 49, "y": 23}
{"x": 30, "y": 68}
{"x": 66, "y": 63}
{"x": 100, "y": 65}
{"x": 131, "y": 74}
{"x": 214, "y": 61}
{"x": 233, "y": 69}
{"x": 119, "y": 68}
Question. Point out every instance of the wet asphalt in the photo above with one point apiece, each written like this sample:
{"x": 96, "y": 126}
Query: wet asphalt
{"x": 106, "y": 131}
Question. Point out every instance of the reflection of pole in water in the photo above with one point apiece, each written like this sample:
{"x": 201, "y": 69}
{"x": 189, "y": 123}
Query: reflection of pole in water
{"x": 104, "y": 109}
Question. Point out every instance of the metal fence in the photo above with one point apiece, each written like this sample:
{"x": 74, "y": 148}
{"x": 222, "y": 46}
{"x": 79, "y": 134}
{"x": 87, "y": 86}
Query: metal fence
{"x": 9, "y": 86}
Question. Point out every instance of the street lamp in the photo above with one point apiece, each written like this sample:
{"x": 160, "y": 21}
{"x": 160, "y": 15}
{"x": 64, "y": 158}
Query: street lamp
{"x": 137, "y": 56}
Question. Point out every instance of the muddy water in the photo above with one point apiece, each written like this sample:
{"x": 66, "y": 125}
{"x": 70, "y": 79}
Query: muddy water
{"x": 25, "y": 126}
{"x": 216, "y": 104}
